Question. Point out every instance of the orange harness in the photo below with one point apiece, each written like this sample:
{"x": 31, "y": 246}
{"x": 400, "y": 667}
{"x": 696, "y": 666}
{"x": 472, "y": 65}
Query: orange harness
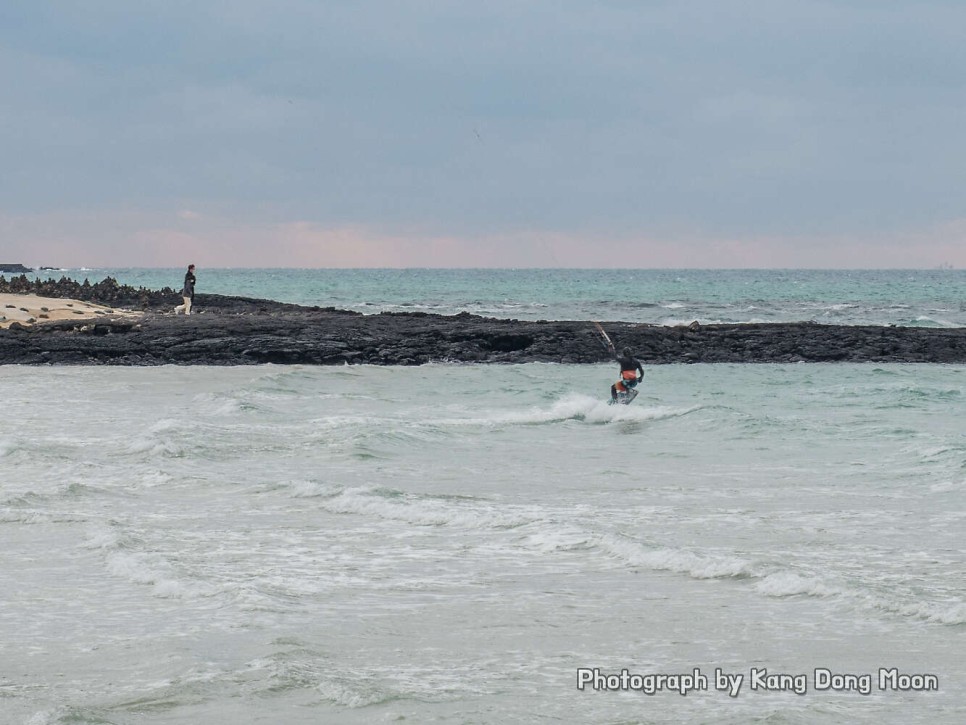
{"x": 627, "y": 376}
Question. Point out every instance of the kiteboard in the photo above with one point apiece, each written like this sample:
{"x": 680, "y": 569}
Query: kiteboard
{"x": 623, "y": 398}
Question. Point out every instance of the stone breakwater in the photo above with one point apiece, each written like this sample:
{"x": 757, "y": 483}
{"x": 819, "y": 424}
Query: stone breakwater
{"x": 333, "y": 337}
{"x": 240, "y": 331}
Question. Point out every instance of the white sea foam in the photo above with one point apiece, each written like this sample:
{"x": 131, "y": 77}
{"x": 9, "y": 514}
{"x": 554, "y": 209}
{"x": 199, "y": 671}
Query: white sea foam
{"x": 138, "y": 568}
{"x": 219, "y": 405}
{"x": 159, "y": 440}
{"x": 927, "y": 321}
{"x": 947, "y": 613}
{"x": 103, "y": 537}
{"x": 312, "y": 489}
{"x": 575, "y": 407}
{"x": 778, "y": 584}
{"x": 352, "y": 693}
{"x": 558, "y": 538}
{"x": 460, "y": 540}
{"x": 151, "y": 479}
{"x": 53, "y": 716}
{"x": 151, "y": 569}
{"x": 29, "y": 518}
{"x": 697, "y": 565}
{"x": 421, "y": 510}
{"x": 789, "y": 584}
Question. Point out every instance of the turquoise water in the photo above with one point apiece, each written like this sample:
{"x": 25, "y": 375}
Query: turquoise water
{"x": 925, "y": 298}
{"x": 453, "y": 543}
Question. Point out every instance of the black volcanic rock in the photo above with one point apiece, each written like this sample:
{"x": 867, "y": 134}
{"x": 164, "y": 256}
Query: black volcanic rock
{"x": 14, "y": 269}
{"x": 244, "y": 331}
{"x": 330, "y": 337}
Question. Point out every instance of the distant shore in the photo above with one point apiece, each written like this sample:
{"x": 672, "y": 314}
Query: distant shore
{"x": 228, "y": 330}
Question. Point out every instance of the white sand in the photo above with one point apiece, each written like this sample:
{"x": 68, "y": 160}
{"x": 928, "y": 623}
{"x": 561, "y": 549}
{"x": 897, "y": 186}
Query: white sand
{"x": 31, "y": 309}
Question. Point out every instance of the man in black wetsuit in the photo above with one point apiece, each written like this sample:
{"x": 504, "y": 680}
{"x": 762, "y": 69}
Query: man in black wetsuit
{"x": 631, "y": 373}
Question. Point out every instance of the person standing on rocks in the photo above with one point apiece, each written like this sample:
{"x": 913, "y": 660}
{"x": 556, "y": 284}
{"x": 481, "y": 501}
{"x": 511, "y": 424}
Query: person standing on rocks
{"x": 188, "y": 292}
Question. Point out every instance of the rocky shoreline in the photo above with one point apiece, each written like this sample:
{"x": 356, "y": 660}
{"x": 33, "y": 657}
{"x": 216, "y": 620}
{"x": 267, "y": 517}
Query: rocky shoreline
{"x": 243, "y": 331}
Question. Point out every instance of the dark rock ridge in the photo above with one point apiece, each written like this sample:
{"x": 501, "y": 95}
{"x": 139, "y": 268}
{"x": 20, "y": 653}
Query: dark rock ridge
{"x": 241, "y": 331}
{"x": 108, "y": 292}
{"x": 14, "y": 269}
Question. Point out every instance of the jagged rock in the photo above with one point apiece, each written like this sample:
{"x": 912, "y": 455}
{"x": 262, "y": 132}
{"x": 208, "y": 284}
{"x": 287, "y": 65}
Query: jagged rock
{"x": 242, "y": 331}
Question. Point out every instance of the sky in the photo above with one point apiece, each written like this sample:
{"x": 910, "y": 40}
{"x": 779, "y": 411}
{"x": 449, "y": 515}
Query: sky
{"x": 505, "y": 133}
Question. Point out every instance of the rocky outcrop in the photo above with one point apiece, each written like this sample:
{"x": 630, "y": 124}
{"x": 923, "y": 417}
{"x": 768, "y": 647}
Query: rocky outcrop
{"x": 245, "y": 332}
{"x": 110, "y": 293}
{"x": 14, "y": 269}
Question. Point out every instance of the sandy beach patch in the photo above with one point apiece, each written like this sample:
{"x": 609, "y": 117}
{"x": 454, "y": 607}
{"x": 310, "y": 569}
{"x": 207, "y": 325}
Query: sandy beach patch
{"x": 31, "y": 309}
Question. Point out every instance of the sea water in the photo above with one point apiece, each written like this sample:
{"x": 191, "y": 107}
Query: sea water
{"x": 917, "y": 298}
{"x": 482, "y": 544}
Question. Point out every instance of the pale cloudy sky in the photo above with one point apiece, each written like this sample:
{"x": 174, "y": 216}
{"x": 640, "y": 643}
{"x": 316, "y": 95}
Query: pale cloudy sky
{"x": 563, "y": 133}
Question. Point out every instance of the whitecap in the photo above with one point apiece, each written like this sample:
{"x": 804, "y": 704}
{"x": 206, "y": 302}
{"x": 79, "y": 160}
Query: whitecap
{"x": 950, "y": 613}
{"x": 353, "y": 693}
{"x": 148, "y": 569}
{"x": 789, "y": 584}
{"x": 925, "y": 321}
{"x": 422, "y": 510}
{"x": 548, "y": 540}
{"x": 311, "y": 489}
{"x": 48, "y": 717}
{"x": 576, "y": 407}
{"x": 681, "y": 561}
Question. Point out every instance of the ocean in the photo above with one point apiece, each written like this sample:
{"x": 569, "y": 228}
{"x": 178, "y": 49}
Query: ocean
{"x": 916, "y": 298}
{"x": 492, "y": 544}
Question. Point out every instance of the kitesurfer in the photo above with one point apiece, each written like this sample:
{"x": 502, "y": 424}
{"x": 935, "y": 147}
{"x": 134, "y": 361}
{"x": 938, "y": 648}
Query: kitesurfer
{"x": 631, "y": 373}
